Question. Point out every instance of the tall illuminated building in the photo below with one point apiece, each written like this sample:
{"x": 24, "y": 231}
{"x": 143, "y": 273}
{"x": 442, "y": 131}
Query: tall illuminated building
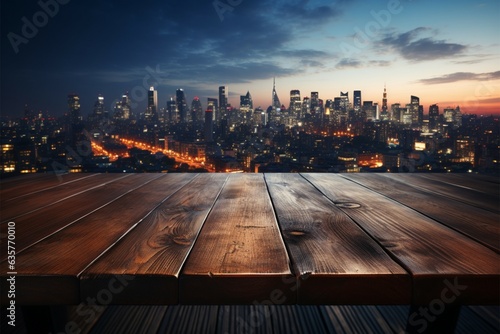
{"x": 384, "y": 114}
{"x": 74, "y": 109}
{"x": 416, "y": 111}
{"x": 357, "y": 100}
{"x": 124, "y": 108}
{"x": 276, "y": 104}
{"x": 223, "y": 101}
{"x": 433, "y": 118}
{"x": 344, "y": 102}
{"x": 99, "y": 110}
{"x": 295, "y": 106}
{"x": 181, "y": 105}
{"x": 384, "y": 101}
{"x": 314, "y": 100}
{"x": 246, "y": 103}
{"x": 196, "y": 110}
{"x": 152, "y": 110}
{"x": 213, "y": 104}
{"x": 172, "y": 115}
{"x": 306, "y": 106}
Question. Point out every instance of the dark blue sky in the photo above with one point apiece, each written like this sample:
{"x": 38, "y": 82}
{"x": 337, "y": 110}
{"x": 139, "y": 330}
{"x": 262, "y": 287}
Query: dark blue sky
{"x": 109, "y": 47}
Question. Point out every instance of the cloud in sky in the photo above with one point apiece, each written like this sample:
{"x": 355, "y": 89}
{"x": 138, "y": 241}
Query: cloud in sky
{"x": 347, "y": 63}
{"x": 411, "y": 46}
{"x": 461, "y": 76}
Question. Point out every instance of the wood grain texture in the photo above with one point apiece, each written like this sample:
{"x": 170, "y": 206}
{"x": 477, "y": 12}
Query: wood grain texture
{"x": 20, "y": 186}
{"x": 468, "y": 181}
{"x": 337, "y": 261}
{"x": 239, "y": 256}
{"x": 37, "y": 225}
{"x": 154, "y": 252}
{"x": 433, "y": 253}
{"x": 465, "y": 195}
{"x": 481, "y": 225}
{"x": 64, "y": 255}
{"x": 15, "y": 208}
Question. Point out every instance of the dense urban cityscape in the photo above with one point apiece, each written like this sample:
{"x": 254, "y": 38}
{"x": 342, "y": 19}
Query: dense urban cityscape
{"x": 344, "y": 134}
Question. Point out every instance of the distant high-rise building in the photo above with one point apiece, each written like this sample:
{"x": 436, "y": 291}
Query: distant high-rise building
{"x": 344, "y": 102}
{"x": 99, "y": 111}
{"x": 223, "y": 101}
{"x": 74, "y": 109}
{"x": 152, "y": 110}
{"x": 306, "y": 106}
{"x": 384, "y": 101}
{"x": 74, "y": 130}
{"x": 172, "y": 114}
{"x": 213, "y": 104}
{"x": 433, "y": 117}
{"x": 276, "y": 104}
{"x": 196, "y": 110}
{"x": 357, "y": 100}
{"x": 295, "y": 106}
{"x": 315, "y": 104}
{"x": 396, "y": 112}
{"x": 416, "y": 111}
{"x": 182, "y": 108}
{"x": 126, "y": 110}
{"x": 209, "y": 127}
{"x": 453, "y": 117}
{"x": 369, "y": 110}
{"x": 246, "y": 103}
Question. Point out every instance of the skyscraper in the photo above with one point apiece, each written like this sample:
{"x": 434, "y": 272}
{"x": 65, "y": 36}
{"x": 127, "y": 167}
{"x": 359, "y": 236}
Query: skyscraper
{"x": 433, "y": 117}
{"x": 152, "y": 110}
{"x": 196, "y": 110}
{"x": 172, "y": 117}
{"x": 384, "y": 101}
{"x": 127, "y": 109}
{"x": 344, "y": 102}
{"x": 74, "y": 109}
{"x": 99, "y": 111}
{"x": 314, "y": 103}
{"x": 223, "y": 101}
{"x": 181, "y": 105}
{"x": 384, "y": 115}
{"x": 209, "y": 127}
{"x": 295, "y": 106}
{"x": 213, "y": 104}
{"x": 246, "y": 103}
{"x": 357, "y": 100}
{"x": 416, "y": 111}
{"x": 276, "y": 104}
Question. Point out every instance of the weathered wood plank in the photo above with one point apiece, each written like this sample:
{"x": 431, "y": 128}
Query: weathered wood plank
{"x": 25, "y": 184}
{"x": 467, "y": 181}
{"x": 464, "y": 195}
{"x": 439, "y": 259}
{"x": 479, "y": 224}
{"x": 154, "y": 252}
{"x": 15, "y": 208}
{"x": 338, "y": 261}
{"x": 33, "y": 227}
{"x": 47, "y": 272}
{"x": 239, "y": 256}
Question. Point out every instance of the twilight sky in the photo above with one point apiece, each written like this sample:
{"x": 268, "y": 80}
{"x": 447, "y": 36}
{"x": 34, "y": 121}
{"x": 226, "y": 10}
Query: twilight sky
{"x": 445, "y": 52}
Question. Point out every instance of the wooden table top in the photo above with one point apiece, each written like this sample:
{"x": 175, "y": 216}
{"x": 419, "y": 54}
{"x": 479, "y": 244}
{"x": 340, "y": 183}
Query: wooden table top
{"x": 252, "y": 238}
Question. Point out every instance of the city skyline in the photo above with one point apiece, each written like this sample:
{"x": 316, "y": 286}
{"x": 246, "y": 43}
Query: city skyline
{"x": 445, "y": 53}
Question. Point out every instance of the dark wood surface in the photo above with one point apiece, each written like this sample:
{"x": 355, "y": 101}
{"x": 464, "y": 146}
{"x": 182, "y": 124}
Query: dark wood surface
{"x": 239, "y": 256}
{"x": 252, "y": 238}
{"x": 334, "y": 258}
